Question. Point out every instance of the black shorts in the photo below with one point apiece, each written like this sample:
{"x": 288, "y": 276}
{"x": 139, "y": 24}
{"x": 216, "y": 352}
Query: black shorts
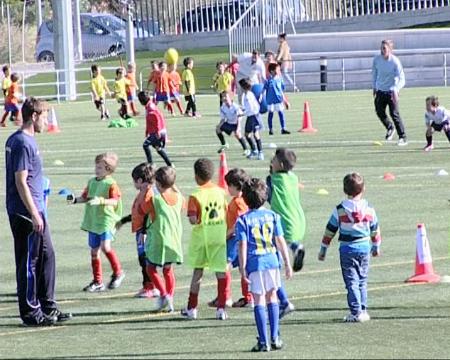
{"x": 439, "y": 127}
{"x": 252, "y": 124}
{"x": 98, "y": 103}
{"x": 228, "y": 128}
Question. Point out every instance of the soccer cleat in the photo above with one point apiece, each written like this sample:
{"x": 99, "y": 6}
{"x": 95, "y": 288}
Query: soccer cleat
{"x": 276, "y": 344}
{"x": 246, "y": 152}
{"x": 147, "y": 293}
{"x": 253, "y": 155}
{"x": 350, "y": 318}
{"x": 102, "y": 118}
{"x": 221, "y": 314}
{"x": 402, "y": 141}
{"x": 170, "y": 307}
{"x": 299, "y": 257}
{"x": 223, "y": 148}
{"x": 390, "y": 133}
{"x": 260, "y": 347}
{"x": 285, "y": 132}
{"x": 243, "y": 302}
{"x": 60, "y": 316}
{"x": 116, "y": 280}
{"x": 40, "y": 321}
{"x": 214, "y": 303}
{"x": 94, "y": 287}
{"x": 270, "y": 132}
{"x": 260, "y": 156}
{"x": 190, "y": 314}
{"x": 163, "y": 302}
{"x": 286, "y": 309}
{"x": 428, "y": 148}
{"x": 107, "y": 114}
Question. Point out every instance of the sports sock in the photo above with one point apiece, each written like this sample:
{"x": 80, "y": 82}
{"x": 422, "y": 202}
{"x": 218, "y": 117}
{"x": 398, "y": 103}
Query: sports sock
{"x": 169, "y": 107}
{"x": 430, "y": 139}
{"x": 243, "y": 144}
{"x": 293, "y": 246}
{"x": 146, "y": 282}
{"x": 163, "y": 154}
{"x": 282, "y": 121}
{"x": 245, "y": 293}
{"x": 273, "y": 310}
{"x": 193, "y": 301}
{"x": 169, "y": 278}
{"x": 251, "y": 142}
{"x": 156, "y": 279}
{"x": 114, "y": 261}
{"x": 97, "y": 270}
{"x": 180, "y": 108}
{"x": 261, "y": 320}
{"x": 221, "y": 138}
{"x": 448, "y": 135}
{"x": 270, "y": 121}
{"x": 259, "y": 144}
{"x": 228, "y": 285}
{"x": 148, "y": 153}
{"x": 133, "y": 108}
{"x": 221, "y": 292}
{"x": 282, "y": 296}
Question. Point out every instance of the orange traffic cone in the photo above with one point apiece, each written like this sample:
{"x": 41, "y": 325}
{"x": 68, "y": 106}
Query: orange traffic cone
{"x": 223, "y": 170}
{"x": 52, "y": 126}
{"x": 307, "y": 121}
{"x": 424, "y": 272}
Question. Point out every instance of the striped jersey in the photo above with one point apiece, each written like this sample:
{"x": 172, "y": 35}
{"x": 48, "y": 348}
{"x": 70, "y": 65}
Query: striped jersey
{"x": 357, "y": 224}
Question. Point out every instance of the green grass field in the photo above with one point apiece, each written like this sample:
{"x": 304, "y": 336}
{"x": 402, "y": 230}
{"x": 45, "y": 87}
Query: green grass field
{"x": 408, "y": 321}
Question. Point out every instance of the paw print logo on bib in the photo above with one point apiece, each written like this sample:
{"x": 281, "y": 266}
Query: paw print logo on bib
{"x": 212, "y": 209}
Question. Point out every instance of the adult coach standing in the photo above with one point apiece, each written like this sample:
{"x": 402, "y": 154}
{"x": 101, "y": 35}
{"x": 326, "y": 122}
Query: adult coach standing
{"x": 387, "y": 80}
{"x": 34, "y": 255}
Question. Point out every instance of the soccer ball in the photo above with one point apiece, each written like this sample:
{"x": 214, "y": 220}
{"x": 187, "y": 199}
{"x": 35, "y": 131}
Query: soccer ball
{"x": 171, "y": 56}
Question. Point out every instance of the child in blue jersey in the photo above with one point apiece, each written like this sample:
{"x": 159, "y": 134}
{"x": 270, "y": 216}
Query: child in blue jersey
{"x": 260, "y": 238}
{"x": 359, "y": 236}
{"x": 253, "y": 124}
{"x": 230, "y": 122}
{"x": 274, "y": 88}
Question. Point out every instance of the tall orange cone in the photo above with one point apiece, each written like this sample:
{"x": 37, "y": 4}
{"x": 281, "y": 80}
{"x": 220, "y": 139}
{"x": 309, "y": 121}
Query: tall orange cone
{"x": 52, "y": 126}
{"x": 223, "y": 170}
{"x": 307, "y": 121}
{"x": 424, "y": 272}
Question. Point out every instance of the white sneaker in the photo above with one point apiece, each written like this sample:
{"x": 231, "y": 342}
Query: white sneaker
{"x": 402, "y": 142}
{"x": 221, "y": 314}
{"x": 247, "y": 152}
{"x": 284, "y": 310}
{"x": 190, "y": 314}
{"x": 162, "y": 303}
{"x": 170, "y": 307}
{"x": 364, "y": 316}
{"x": 350, "y": 318}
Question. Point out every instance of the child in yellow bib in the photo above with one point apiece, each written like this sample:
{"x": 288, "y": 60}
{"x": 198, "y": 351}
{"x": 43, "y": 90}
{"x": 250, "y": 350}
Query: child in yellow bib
{"x": 207, "y": 249}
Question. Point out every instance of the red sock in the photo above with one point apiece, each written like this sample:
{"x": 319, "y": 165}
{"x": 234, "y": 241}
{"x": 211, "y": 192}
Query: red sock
{"x": 170, "y": 107}
{"x": 148, "y": 285}
{"x": 97, "y": 270}
{"x": 193, "y": 301}
{"x": 221, "y": 293}
{"x": 245, "y": 293}
{"x": 180, "y": 107}
{"x": 169, "y": 277}
{"x": 156, "y": 279}
{"x": 114, "y": 261}
{"x": 228, "y": 285}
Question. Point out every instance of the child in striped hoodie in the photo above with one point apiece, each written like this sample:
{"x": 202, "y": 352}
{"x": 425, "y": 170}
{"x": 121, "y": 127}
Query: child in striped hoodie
{"x": 359, "y": 236}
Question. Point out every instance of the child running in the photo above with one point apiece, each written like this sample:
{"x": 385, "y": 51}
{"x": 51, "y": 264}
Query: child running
{"x": 207, "y": 248}
{"x": 274, "y": 88}
{"x": 99, "y": 89}
{"x": 165, "y": 233}
{"x": 436, "y": 119}
{"x": 131, "y": 87}
{"x": 12, "y": 100}
{"x": 162, "y": 88}
{"x": 359, "y": 236}
{"x": 174, "y": 87}
{"x": 253, "y": 123}
{"x": 230, "y": 123}
{"x": 188, "y": 80}
{"x": 155, "y": 129}
{"x": 143, "y": 179}
{"x": 120, "y": 93}
{"x": 260, "y": 236}
{"x": 103, "y": 209}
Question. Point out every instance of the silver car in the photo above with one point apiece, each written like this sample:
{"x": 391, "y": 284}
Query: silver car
{"x": 98, "y": 40}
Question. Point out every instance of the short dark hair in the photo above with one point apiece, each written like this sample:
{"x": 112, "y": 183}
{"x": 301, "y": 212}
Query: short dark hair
{"x": 187, "y": 61}
{"x": 273, "y": 67}
{"x": 236, "y": 177}
{"x": 204, "y": 169}
{"x": 119, "y": 71}
{"x": 219, "y": 63}
{"x": 5, "y": 68}
{"x": 143, "y": 97}
{"x": 94, "y": 68}
{"x": 31, "y": 106}
{"x": 286, "y": 158}
{"x": 255, "y": 52}
{"x": 282, "y": 36}
{"x": 15, "y": 77}
{"x": 254, "y": 193}
{"x": 353, "y": 184}
{"x": 432, "y": 100}
{"x": 166, "y": 176}
{"x": 144, "y": 171}
{"x": 245, "y": 84}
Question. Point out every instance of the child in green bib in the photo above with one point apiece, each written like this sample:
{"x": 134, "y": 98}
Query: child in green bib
{"x": 165, "y": 231}
{"x": 207, "y": 208}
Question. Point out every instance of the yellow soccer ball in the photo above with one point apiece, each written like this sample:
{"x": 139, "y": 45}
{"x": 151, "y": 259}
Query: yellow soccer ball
{"x": 171, "y": 56}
